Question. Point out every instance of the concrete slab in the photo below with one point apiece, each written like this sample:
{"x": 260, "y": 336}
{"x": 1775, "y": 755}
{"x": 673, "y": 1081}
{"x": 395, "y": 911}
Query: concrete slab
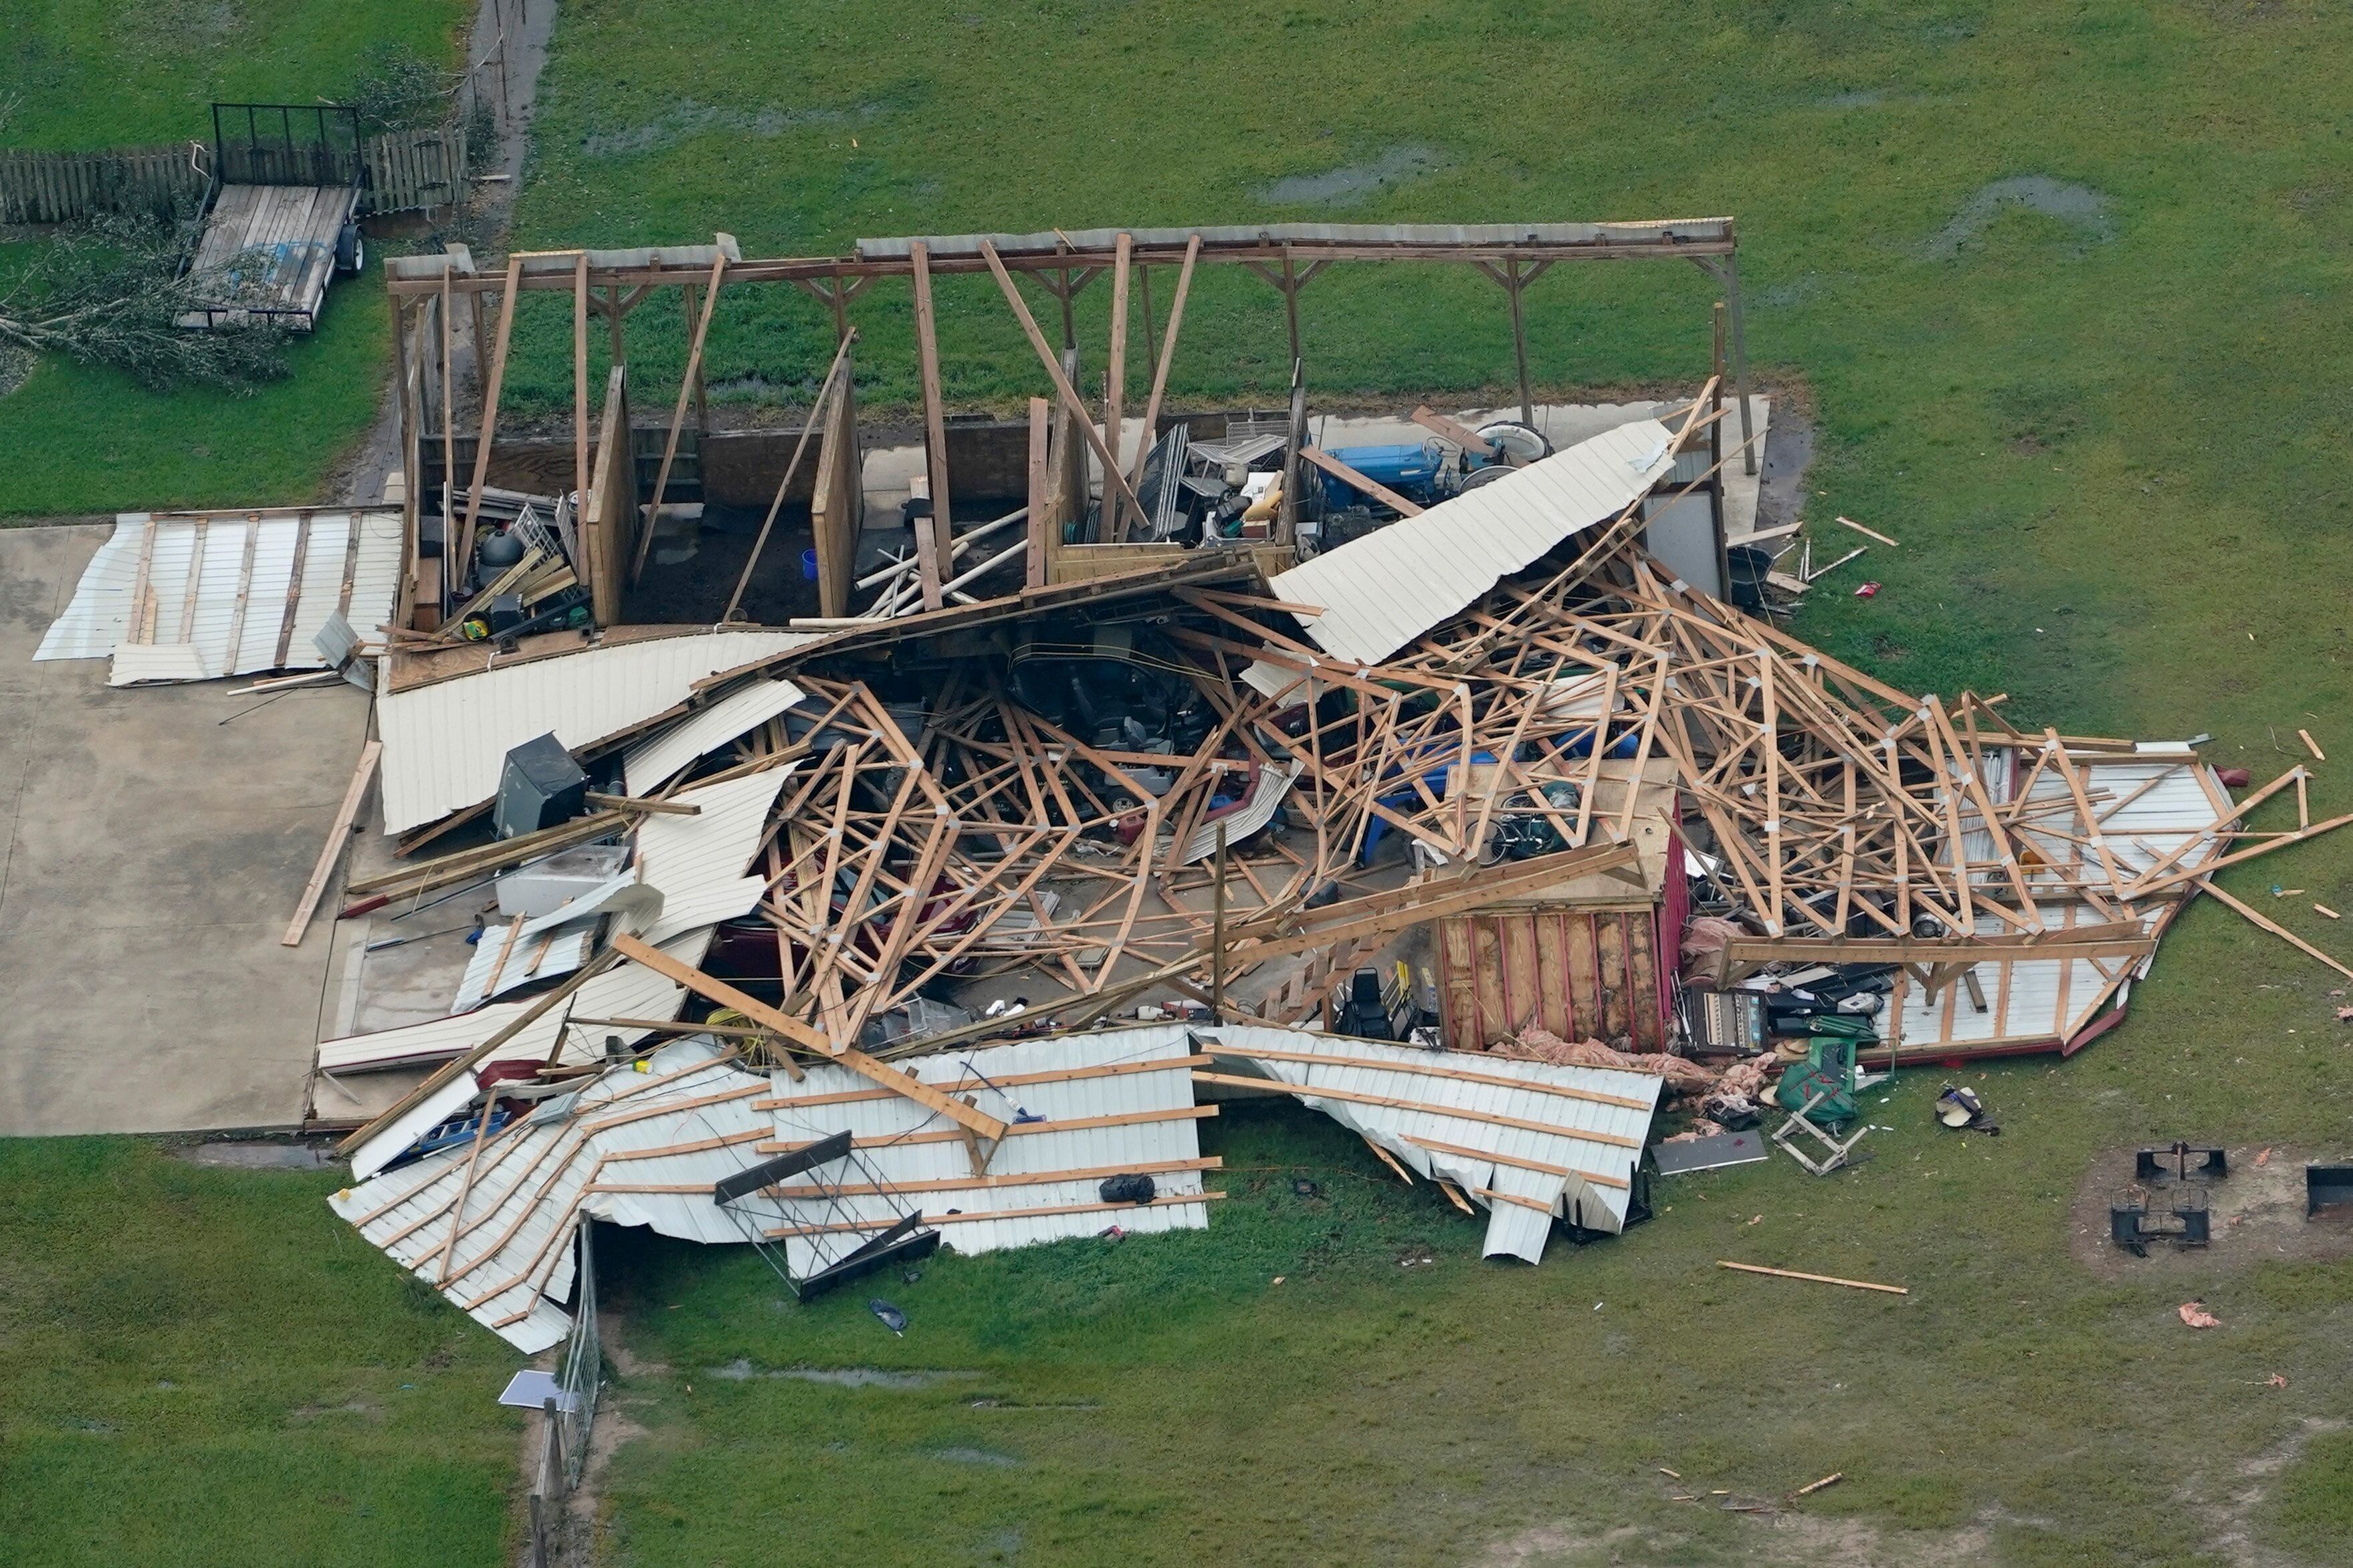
{"x": 155, "y": 842}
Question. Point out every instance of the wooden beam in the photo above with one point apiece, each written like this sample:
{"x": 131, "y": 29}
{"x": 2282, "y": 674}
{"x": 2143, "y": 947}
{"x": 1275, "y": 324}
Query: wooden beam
{"x": 677, "y": 415}
{"x": 1041, "y": 537}
{"x": 1113, "y": 479}
{"x": 1349, "y": 476}
{"x": 793, "y": 1029}
{"x": 1817, "y": 1279}
{"x": 1115, "y": 372}
{"x": 936, "y": 438}
{"x": 338, "y": 835}
{"x": 580, "y": 376}
{"x": 816, "y": 416}
{"x": 1462, "y": 435}
{"x": 456, "y": 572}
{"x": 2266, "y": 922}
{"x": 1167, "y": 352}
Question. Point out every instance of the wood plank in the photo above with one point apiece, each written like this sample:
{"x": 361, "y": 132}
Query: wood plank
{"x": 932, "y": 564}
{"x": 793, "y": 1028}
{"x": 294, "y": 589}
{"x": 1369, "y": 486}
{"x": 338, "y": 835}
{"x": 677, "y": 415}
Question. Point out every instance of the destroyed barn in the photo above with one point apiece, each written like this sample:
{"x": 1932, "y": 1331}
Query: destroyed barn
{"x": 929, "y": 883}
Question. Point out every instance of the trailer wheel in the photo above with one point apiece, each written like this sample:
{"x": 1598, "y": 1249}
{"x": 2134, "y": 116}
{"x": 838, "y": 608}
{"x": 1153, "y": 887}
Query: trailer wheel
{"x": 351, "y": 251}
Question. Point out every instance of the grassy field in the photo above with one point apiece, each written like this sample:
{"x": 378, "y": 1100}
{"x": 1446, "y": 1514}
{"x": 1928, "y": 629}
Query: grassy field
{"x": 84, "y": 439}
{"x": 206, "y": 1365}
{"x": 115, "y": 73}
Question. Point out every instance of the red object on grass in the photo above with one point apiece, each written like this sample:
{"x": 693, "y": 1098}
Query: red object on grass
{"x": 1867, "y": 591}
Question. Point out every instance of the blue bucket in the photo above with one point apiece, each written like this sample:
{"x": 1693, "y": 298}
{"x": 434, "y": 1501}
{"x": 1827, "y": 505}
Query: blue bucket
{"x": 808, "y": 565}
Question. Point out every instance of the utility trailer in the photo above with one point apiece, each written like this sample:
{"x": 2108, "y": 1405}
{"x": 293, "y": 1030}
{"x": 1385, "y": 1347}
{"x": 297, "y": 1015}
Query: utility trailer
{"x": 281, "y": 212}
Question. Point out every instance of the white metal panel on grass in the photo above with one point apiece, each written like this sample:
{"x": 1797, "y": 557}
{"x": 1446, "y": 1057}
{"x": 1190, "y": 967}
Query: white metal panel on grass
{"x": 1529, "y": 1141}
{"x": 445, "y": 743}
{"x": 492, "y": 1229}
{"x": 1378, "y": 593}
{"x": 654, "y": 761}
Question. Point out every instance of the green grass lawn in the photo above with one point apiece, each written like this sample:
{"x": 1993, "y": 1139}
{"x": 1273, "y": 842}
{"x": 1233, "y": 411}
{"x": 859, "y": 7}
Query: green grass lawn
{"x": 91, "y": 74}
{"x": 207, "y": 1366}
{"x": 83, "y": 439}
{"x": 89, "y": 439}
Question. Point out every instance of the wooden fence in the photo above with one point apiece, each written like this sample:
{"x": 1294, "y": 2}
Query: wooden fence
{"x": 407, "y": 171}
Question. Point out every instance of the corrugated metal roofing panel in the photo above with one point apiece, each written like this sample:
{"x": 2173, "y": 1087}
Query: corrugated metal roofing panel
{"x": 445, "y": 743}
{"x": 500, "y": 1245}
{"x": 239, "y": 570}
{"x": 913, "y": 1156}
{"x": 1253, "y": 814}
{"x": 1380, "y": 591}
{"x": 698, "y": 861}
{"x": 1563, "y": 1136}
{"x": 623, "y": 991}
{"x": 654, "y": 761}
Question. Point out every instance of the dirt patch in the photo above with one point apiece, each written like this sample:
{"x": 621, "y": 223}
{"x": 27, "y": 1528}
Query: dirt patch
{"x": 2080, "y": 206}
{"x": 1353, "y": 182}
{"x": 2257, "y": 1214}
{"x": 255, "y": 1154}
{"x": 2227, "y": 1503}
{"x": 1773, "y": 1537}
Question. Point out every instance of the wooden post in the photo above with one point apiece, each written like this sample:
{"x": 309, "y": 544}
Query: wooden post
{"x": 613, "y": 314}
{"x": 1070, "y": 325}
{"x": 1167, "y": 352}
{"x": 1217, "y": 934}
{"x": 688, "y": 294}
{"x": 1739, "y": 363}
{"x": 1291, "y": 303}
{"x": 455, "y": 571}
{"x": 1715, "y": 461}
{"x": 1113, "y": 479}
{"x": 1116, "y": 383}
{"x": 816, "y": 413}
{"x": 449, "y": 436}
{"x": 580, "y": 375}
{"x": 677, "y": 415}
{"x": 1519, "y": 341}
{"x": 1143, "y": 298}
{"x": 1041, "y": 539}
{"x": 840, "y": 309}
{"x": 936, "y": 439}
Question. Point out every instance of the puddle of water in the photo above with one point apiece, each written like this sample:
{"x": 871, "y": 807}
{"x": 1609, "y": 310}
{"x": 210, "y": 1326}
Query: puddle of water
{"x": 975, "y": 1457}
{"x": 841, "y": 1376}
{"x": 2080, "y": 206}
{"x": 1352, "y": 183}
{"x": 692, "y": 119}
{"x": 254, "y": 1156}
